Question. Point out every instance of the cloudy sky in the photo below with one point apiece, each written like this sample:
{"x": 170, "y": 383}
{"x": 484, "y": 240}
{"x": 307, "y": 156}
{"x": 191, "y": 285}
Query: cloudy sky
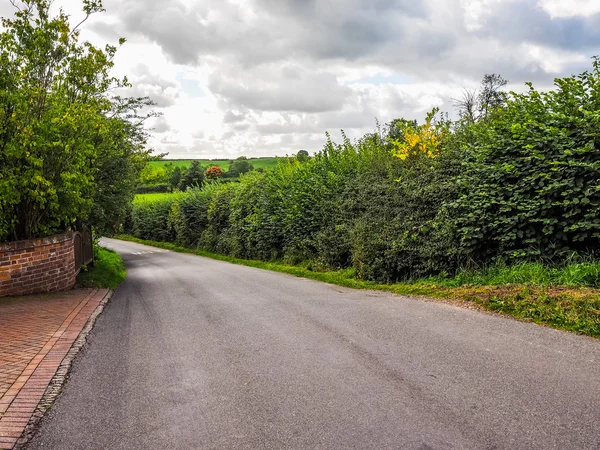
{"x": 270, "y": 77}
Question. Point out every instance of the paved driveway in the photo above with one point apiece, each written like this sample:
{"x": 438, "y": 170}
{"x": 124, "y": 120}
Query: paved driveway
{"x": 36, "y": 333}
{"x": 195, "y": 353}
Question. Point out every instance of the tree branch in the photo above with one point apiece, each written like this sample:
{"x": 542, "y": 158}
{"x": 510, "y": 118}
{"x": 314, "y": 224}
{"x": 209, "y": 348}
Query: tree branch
{"x": 14, "y": 3}
{"x": 78, "y": 25}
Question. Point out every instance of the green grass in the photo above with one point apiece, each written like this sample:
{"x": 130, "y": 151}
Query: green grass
{"x": 108, "y": 270}
{"x": 571, "y": 274}
{"x": 570, "y": 308}
{"x": 258, "y": 163}
{"x": 143, "y": 198}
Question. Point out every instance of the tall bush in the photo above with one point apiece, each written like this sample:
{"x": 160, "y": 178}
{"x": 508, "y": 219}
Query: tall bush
{"x": 401, "y": 231}
{"x": 60, "y": 129}
{"x": 254, "y": 232}
{"x": 216, "y": 237}
{"x": 531, "y": 188}
{"x": 150, "y": 218}
{"x": 189, "y": 216}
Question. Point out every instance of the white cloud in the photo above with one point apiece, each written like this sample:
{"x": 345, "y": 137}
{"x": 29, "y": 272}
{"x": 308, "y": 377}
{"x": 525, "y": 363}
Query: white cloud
{"x": 476, "y": 11}
{"x": 270, "y": 77}
{"x": 553, "y": 61}
{"x": 570, "y": 8}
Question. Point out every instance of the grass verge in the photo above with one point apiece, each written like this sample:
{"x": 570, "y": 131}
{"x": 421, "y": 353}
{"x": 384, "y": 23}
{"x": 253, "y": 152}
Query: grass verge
{"x": 570, "y": 308}
{"x": 108, "y": 270}
{"x": 572, "y": 273}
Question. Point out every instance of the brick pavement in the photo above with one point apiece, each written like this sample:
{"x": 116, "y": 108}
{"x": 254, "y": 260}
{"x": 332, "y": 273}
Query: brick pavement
{"x": 36, "y": 333}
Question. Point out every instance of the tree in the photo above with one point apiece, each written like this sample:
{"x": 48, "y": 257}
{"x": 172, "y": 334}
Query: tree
{"x": 70, "y": 150}
{"x": 175, "y": 179}
{"x": 168, "y": 168}
{"x": 239, "y": 166}
{"x": 117, "y": 170}
{"x": 394, "y": 130}
{"x": 214, "y": 172}
{"x": 476, "y": 105}
{"x": 302, "y": 156}
{"x": 158, "y": 157}
{"x": 152, "y": 175}
{"x": 193, "y": 176}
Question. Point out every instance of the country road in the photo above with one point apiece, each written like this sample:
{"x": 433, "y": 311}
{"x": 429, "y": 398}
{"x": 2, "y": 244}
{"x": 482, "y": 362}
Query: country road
{"x": 193, "y": 353}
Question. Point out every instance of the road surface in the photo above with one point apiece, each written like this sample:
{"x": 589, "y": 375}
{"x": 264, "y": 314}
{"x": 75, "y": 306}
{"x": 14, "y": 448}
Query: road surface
{"x": 194, "y": 353}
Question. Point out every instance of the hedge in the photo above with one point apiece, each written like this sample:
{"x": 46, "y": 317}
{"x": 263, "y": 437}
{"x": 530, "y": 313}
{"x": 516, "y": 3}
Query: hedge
{"x": 422, "y": 200}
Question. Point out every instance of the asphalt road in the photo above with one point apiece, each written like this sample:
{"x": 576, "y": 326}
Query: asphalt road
{"x": 194, "y": 353}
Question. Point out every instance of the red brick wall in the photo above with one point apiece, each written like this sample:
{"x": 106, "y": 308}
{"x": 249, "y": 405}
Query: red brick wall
{"x": 37, "y": 265}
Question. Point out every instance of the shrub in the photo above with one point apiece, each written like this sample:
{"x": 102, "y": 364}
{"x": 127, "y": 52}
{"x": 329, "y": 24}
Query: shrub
{"x": 424, "y": 200}
{"x": 150, "y": 218}
{"x": 253, "y": 233}
{"x": 153, "y": 188}
{"x": 306, "y": 196}
{"x": 189, "y": 216}
{"x": 531, "y": 187}
{"x": 216, "y": 237}
{"x": 214, "y": 172}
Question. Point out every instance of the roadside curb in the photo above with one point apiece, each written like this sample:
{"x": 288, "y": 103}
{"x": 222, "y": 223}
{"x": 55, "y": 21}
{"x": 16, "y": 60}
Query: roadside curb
{"x": 48, "y": 372}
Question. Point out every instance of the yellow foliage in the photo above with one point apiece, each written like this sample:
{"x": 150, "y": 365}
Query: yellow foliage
{"x": 425, "y": 139}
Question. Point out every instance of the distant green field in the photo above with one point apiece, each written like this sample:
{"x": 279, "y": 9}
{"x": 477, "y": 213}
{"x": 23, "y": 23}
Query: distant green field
{"x": 258, "y": 163}
{"x": 141, "y": 198}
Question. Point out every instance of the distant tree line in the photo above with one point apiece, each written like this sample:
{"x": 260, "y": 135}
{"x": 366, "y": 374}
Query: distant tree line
{"x": 169, "y": 177}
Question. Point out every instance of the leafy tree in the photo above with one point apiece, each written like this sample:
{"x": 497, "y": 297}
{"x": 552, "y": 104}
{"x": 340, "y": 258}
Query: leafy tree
{"x": 394, "y": 131}
{"x": 63, "y": 135}
{"x": 121, "y": 157}
{"x": 153, "y": 175}
{"x": 192, "y": 177}
{"x": 168, "y": 168}
{"x": 214, "y": 172}
{"x": 157, "y": 157}
{"x": 239, "y": 166}
{"x": 302, "y": 156}
{"x": 175, "y": 179}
